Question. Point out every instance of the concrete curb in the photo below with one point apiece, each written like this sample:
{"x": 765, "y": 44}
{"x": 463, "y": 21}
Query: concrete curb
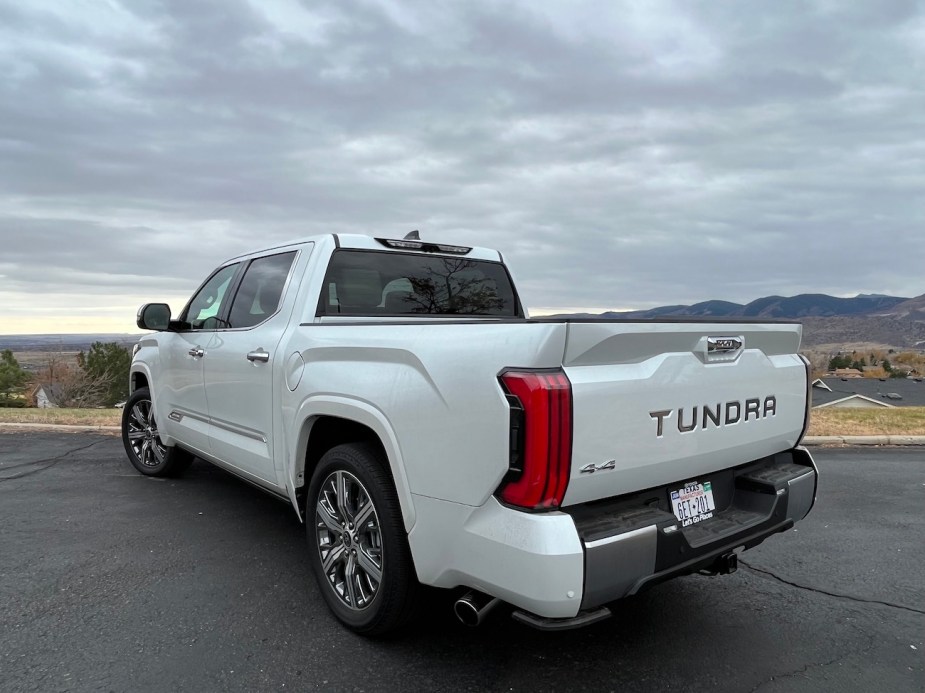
{"x": 62, "y": 428}
{"x": 864, "y": 440}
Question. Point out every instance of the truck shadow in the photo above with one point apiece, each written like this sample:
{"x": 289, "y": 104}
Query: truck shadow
{"x": 693, "y": 623}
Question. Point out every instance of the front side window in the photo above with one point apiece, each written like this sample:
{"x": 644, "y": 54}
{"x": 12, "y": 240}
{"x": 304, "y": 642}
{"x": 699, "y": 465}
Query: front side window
{"x": 361, "y": 282}
{"x": 205, "y": 308}
{"x": 261, "y": 289}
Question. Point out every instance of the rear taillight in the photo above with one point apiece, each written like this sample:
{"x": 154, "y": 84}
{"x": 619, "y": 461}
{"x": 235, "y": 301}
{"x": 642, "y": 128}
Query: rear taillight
{"x": 541, "y": 438}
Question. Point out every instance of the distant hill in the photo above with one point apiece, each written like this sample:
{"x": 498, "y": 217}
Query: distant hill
{"x": 914, "y": 308}
{"x": 801, "y": 306}
{"x": 874, "y": 318}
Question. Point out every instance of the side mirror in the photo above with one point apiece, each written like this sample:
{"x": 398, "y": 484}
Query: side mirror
{"x": 153, "y": 316}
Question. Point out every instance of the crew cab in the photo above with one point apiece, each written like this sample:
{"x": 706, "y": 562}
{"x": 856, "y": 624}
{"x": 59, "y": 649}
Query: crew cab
{"x": 428, "y": 432}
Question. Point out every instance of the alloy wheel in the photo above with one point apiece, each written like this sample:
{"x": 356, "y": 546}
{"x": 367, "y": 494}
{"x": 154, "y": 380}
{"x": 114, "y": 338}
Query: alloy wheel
{"x": 349, "y": 539}
{"x": 143, "y": 436}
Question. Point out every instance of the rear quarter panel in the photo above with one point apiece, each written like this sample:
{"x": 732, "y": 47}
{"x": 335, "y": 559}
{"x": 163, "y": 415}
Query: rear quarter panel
{"x": 436, "y": 386}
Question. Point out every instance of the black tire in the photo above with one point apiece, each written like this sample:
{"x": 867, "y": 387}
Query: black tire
{"x": 142, "y": 443}
{"x": 351, "y": 482}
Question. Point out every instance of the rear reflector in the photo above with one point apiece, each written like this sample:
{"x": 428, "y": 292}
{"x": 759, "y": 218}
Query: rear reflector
{"x": 541, "y": 439}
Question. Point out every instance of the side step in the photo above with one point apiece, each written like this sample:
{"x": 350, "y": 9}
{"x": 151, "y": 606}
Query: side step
{"x": 584, "y": 618}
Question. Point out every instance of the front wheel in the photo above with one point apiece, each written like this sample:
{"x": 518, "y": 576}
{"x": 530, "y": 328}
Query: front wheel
{"x": 358, "y": 546}
{"x": 143, "y": 443}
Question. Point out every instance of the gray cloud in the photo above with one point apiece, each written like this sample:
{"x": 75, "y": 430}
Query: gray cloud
{"x": 624, "y": 155}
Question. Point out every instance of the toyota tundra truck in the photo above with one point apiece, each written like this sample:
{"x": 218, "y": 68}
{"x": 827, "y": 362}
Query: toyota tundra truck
{"x": 428, "y": 432}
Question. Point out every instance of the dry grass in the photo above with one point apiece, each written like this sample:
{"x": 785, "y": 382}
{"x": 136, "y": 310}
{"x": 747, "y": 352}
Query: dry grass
{"x": 899, "y": 421}
{"x": 908, "y": 421}
{"x": 74, "y": 417}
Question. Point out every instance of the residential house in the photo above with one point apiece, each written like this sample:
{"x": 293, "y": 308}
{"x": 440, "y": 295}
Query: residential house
{"x": 44, "y": 396}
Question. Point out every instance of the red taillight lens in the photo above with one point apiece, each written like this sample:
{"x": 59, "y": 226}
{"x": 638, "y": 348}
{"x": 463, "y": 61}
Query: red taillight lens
{"x": 543, "y": 440}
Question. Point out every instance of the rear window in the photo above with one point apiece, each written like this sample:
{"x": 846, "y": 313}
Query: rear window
{"x": 367, "y": 282}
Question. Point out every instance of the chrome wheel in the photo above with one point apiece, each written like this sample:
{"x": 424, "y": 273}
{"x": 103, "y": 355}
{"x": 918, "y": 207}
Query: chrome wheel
{"x": 142, "y": 435}
{"x": 349, "y": 539}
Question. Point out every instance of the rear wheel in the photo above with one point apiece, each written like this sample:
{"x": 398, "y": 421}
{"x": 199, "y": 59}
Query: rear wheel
{"x": 143, "y": 443}
{"x": 358, "y": 547}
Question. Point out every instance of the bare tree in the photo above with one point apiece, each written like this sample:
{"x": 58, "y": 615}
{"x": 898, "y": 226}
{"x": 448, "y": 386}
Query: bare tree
{"x": 70, "y": 386}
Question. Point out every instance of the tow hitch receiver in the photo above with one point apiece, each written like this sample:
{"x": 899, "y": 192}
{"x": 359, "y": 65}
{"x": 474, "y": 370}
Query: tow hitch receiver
{"x": 726, "y": 564}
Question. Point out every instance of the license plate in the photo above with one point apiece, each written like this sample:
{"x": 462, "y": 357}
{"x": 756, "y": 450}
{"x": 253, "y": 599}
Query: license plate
{"x": 693, "y": 503}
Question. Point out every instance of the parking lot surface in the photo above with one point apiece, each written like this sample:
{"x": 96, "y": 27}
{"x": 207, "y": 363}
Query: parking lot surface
{"x": 113, "y": 581}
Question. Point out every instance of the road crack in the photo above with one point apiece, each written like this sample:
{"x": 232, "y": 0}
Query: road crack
{"x": 837, "y": 595}
{"x": 51, "y": 460}
{"x": 814, "y": 665}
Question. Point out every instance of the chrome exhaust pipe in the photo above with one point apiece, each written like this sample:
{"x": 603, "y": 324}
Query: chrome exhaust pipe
{"x": 473, "y": 607}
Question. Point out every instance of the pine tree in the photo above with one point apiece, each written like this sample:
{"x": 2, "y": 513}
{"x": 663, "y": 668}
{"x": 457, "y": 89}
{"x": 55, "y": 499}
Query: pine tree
{"x": 13, "y": 379}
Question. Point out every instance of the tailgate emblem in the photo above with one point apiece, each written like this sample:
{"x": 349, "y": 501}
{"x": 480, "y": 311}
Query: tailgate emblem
{"x": 722, "y": 349}
{"x": 724, "y": 345}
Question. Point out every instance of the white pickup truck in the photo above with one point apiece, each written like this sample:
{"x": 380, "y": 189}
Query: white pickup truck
{"x": 429, "y": 432}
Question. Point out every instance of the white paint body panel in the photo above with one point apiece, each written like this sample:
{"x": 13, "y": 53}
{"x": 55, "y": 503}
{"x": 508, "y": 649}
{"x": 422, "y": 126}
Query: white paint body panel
{"x": 429, "y": 391}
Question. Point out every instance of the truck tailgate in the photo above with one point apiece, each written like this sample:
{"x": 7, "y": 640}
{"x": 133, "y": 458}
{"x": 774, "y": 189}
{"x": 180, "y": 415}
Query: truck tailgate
{"x": 664, "y": 402}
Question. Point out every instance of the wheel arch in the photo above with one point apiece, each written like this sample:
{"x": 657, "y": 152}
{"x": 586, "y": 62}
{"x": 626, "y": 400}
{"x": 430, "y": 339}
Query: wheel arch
{"x": 138, "y": 379}
{"x": 325, "y": 422}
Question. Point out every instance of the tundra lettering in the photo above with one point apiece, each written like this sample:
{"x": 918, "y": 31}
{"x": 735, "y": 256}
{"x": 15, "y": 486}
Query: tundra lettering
{"x": 756, "y": 408}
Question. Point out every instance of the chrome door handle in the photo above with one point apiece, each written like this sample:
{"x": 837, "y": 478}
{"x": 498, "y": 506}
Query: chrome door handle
{"x": 197, "y": 351}
{"x": 258, "y": 355}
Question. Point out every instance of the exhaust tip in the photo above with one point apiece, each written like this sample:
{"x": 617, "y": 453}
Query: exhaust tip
{"x": 466, "y": 612}
{"x": 472, "y": 608}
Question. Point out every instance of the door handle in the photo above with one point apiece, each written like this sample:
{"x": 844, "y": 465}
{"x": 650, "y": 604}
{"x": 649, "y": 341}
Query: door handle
{"x": 197, "y": 351}
{"x": 258, "y": 355}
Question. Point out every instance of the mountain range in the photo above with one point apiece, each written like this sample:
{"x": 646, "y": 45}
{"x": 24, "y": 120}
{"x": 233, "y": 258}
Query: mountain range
{"x": 827, "y": 320}
{"x": 792, "y": 307}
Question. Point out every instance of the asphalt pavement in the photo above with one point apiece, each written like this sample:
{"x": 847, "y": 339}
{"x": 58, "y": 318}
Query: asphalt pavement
{"x": 115, "y": 582}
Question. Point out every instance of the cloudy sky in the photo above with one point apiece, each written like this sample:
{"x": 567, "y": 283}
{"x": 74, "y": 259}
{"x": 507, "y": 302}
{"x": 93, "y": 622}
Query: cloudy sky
{"x": 620, "y": 154}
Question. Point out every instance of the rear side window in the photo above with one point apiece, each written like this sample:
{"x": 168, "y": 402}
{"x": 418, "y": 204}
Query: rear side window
{"x": 260, "y": 291}
{"x": 366, "y": 282}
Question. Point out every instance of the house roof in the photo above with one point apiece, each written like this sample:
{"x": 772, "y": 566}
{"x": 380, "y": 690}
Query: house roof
{"x": 849, "y": 372}
{"x": 911, "y": 393}
{"x": 876, "y": 402}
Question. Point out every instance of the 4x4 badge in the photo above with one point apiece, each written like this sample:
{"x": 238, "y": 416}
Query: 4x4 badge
{"x": 591, "y": 468}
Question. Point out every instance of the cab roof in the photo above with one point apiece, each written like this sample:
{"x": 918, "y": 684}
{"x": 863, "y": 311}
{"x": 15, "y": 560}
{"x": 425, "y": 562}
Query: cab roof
{"x": 356, "y": 241}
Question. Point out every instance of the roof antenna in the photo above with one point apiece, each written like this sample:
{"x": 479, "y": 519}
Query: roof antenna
{"x": 413, "y": 236}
